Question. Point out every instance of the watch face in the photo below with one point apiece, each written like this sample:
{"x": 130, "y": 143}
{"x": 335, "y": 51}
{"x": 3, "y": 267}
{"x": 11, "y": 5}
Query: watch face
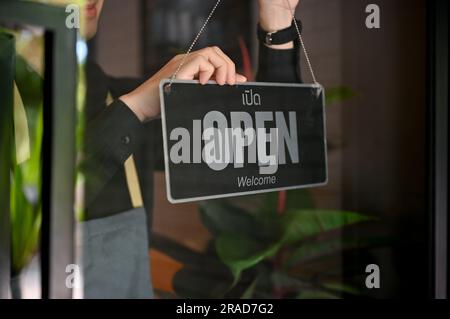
{"x": 269, "y": 38}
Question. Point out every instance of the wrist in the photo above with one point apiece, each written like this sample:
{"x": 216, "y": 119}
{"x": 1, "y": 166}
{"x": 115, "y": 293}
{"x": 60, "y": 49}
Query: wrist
{"x": 274, "y": 20}
{"x": 281, "y": 38}
{"x": 133, "y": 105}
{"x": 143, "y": 101}
{"x": 284, "y": 46}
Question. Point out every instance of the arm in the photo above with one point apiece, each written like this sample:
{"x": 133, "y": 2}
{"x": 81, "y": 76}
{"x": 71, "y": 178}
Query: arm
{"x": 278, "y": 63}
{"x": 118, "y": 129}
{"x": 153, "y": 142}
{"x": 110, "y": 139}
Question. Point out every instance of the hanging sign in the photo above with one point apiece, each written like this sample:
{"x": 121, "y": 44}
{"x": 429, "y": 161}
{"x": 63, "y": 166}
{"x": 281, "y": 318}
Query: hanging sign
{"x": 222, "y": 141}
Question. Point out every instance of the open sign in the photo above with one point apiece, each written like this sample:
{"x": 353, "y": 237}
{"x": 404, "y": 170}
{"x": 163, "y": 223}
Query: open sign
{"x": 222, "y": 141}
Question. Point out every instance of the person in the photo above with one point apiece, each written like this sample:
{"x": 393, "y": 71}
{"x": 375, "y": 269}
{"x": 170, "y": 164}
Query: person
{"x": 115, "y": 260}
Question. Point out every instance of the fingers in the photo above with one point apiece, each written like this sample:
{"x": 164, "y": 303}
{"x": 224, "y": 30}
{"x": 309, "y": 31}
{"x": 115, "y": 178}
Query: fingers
{"x": 220, "y": 64}
{"x": 197, "y": 67}
{"x": 206, "y": 71}
{"x": 208, "y": 63}
{"x": 231, "y": 67}
{"x": 240, "y": 78}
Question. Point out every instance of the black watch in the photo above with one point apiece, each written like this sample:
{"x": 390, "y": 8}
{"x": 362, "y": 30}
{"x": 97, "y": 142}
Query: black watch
{"x": 281, "y": 36}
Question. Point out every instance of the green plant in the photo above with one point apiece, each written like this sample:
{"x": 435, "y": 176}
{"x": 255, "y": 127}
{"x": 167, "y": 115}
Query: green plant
{"x": 26, "y": 176}
{"x": 275, "y": 246}
{"x": 26, "y": 214}
{"x": 267, "y": 255}
{"x": 338, "y": 94}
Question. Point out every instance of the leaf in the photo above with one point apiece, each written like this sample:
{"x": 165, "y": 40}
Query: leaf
{"x": 295, "y": 199}
{"x": 248, "y": 293}
{"x": 301, "y": 224}
{"x": 337, "y": 94}
{"x": 239, "y": 252}
{"x": 316, "y": 294}
{"x": 219, "y": 217}
{"x": 25, "y": 224}
{"x": 299, "y": 199}
{"x": 284, "y": 280}
{"x": 342, "y": 288}
{"x": 308, "y": 251}
{"x": 270, "y": 222}
{"x": 29, "y": 83}
{"x": 197, "y": 283}
{"x": 26, "y": 178}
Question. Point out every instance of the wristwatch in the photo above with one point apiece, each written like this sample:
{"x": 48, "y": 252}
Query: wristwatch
{"x": 281, "y": 36}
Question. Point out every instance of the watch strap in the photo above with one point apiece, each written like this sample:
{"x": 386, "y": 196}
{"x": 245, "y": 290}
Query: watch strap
{"x": 279, "y": 37}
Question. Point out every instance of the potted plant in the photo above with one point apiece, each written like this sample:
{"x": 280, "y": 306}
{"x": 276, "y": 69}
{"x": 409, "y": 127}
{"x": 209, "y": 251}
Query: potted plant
{"x": 275, "y": 245}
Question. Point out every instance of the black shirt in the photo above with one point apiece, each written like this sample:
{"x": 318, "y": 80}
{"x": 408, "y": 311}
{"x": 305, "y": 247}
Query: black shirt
{"x": 113, "y": 133}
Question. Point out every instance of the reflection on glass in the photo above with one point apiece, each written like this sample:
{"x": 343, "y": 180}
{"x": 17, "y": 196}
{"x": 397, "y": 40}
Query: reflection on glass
{"x": 312, "y": 243}
{"x": 25, "y": 196}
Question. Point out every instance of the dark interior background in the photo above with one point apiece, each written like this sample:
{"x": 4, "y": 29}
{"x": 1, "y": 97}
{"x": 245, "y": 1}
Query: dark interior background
{"x": 384, "y": 127}
{"x": 377, "y": 163}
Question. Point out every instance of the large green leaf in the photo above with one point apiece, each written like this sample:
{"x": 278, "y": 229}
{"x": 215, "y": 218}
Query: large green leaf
{"x": 337, "y": 94}
{"x": 26, "y": 177}
{"x": 29, "y": 83}
{"x": 191, "y": 282}
{"x": 7, "y": 58}
{"x": 299, "y": 199}
{"x": 25, "y": 223}
{"x": 340, "y": 287}
{"x": 270, "y": 222}
{"x": 310, "y": 250}
{"x": 249, "y": 291}
{"x": 239, "y": 252}
{"x": 303, "y": 223}
{"x": 220, "y": 217}
{"x": 285, "y": 281}
{"x": 295, "y": 199}
{"x": 317, "y": 294}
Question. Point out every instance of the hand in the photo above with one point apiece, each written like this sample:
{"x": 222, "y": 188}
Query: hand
{"x": 275, "y": 15}
{"x": 205, "y": 64}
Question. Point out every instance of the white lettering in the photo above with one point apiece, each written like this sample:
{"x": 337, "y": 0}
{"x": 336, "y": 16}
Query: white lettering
{"x": 264, "y": 139}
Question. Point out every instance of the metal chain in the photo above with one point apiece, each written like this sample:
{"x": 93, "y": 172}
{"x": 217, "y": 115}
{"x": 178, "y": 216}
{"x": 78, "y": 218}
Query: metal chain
{"x": 186, "y": 55}
{"x": 174, "y": 76}
{"x": 302, "y": 43}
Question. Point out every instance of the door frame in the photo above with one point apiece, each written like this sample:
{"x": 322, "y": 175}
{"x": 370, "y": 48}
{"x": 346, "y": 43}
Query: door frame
{"x": 437, "y": 60}
{"x": 57, "y": 234}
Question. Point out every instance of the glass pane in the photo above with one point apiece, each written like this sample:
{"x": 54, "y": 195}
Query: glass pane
{"x": 363, "y": 235}
{"x": 373, "y": 210}
{"x": 26, "y": 163}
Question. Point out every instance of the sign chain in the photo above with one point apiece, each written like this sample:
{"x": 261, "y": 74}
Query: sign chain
{"x": 174, "y": 76}
{"x": 300, "y": 38}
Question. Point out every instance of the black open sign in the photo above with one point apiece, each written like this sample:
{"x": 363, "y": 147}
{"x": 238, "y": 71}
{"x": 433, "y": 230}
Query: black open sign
{"x": 222, "y": 141}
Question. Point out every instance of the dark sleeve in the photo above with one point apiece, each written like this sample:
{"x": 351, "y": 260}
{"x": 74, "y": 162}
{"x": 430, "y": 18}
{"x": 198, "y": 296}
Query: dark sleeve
{"x": 281, "y": 66}
{"x": 153, "y": 141}
{"x": 109, "y": 140}
{"x": 158, "y": 146}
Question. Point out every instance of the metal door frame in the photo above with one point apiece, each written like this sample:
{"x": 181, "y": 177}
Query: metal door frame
{"x": 437, "y": 60}
{"x": 57, "y": 236}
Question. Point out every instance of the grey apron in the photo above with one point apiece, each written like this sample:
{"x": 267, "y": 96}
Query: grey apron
{"x": 115, "y": 259}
